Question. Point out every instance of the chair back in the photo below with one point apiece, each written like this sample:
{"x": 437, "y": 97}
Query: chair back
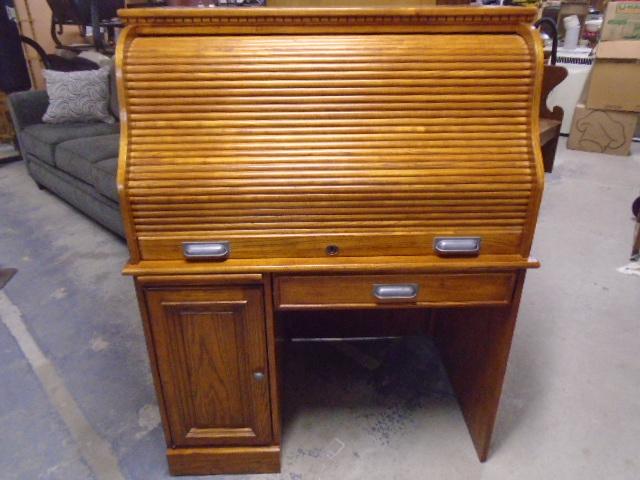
{"x": 64, "y": 12}
{"x": 551, "y": 26}
{"x": 552, "y": 76}
{"x": 56, "y": 62}
{"x": 106, "y": 9}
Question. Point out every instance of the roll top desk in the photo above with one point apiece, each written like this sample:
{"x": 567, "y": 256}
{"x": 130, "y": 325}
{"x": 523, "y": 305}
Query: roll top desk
{"x": 276, "y": 161}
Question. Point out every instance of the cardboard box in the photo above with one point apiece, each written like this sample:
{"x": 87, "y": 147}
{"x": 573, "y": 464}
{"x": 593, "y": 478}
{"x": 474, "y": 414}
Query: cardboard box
{"x": 602, "y": 131}
{"x": 621, "y": 21}
{"x": 615, "y": 77}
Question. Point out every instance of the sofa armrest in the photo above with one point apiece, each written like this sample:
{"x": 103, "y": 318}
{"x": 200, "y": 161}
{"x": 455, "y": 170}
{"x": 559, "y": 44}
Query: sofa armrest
{"x": 27, "y": 108}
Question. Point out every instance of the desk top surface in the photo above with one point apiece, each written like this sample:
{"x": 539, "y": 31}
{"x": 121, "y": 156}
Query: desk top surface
{"x": 469, "y": 14}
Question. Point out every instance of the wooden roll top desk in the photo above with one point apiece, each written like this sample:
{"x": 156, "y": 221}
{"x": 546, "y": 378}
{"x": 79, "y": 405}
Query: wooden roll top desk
{"x": 276, "y": 161}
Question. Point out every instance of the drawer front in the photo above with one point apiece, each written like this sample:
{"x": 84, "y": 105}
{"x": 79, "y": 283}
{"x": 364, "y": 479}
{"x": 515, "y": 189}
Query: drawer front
{"x": 502, "y": 242}
{"x": 368, "y": 291}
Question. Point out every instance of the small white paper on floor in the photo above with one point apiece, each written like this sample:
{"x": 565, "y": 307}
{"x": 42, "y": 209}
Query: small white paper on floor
{"x": 631, "y": 268}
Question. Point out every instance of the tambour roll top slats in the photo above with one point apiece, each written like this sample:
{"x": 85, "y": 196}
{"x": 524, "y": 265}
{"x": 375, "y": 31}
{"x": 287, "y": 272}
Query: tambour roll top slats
{"x": 285, "y": 143}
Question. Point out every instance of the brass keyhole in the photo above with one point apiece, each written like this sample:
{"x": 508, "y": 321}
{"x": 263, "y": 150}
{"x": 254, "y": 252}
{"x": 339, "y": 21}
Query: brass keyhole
{"x": 332, "y": 250}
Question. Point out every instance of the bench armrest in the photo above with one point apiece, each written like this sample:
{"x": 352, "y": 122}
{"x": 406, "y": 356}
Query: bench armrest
{"x": 27, "y": 108}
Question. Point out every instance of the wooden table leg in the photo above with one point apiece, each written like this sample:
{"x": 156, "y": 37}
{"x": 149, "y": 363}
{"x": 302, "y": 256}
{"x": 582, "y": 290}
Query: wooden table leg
{"x": 474, "y": 345}
{"x": 635, "y": 250}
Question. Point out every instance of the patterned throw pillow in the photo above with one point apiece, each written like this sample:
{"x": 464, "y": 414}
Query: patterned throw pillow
{"x": 78, "y": 96}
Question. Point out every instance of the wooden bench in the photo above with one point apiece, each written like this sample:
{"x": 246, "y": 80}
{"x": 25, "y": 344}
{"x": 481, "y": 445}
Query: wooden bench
{"x": 550, "y": 120}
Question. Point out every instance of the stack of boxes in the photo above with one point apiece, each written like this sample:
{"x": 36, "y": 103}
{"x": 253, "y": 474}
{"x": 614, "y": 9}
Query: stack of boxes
{"x": 606, "y": 119}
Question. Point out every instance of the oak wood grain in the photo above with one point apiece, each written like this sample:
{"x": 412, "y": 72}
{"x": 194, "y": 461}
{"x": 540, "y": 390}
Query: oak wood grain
{"x": 356, "y": 291}
{"x": 275, "y": 382}
{"x": 246, "y": 140}
{"x": 334, "y": 265}
{"x": 292, "y": 133}
{"x": 223, "y": 460}
{"x": 474, "y": 347}
{"x": 209, "y": 343}
{"x": 353, "y": 241}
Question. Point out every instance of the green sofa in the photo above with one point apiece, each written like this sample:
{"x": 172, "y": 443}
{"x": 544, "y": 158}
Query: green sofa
{"x": 76, "y": 161}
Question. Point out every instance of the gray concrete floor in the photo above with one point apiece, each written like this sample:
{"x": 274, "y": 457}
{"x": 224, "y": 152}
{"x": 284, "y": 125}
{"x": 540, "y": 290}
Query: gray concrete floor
{"x": 77, "y": 400}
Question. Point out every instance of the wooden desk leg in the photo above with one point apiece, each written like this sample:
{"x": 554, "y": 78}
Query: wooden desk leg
{"x": 635, "y": 250}
{"x": 474, "y": 345}
{"x": 549, "y": 152}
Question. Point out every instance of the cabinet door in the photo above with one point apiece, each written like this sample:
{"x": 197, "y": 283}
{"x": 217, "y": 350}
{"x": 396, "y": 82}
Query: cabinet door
{"x": 211, "y": 354}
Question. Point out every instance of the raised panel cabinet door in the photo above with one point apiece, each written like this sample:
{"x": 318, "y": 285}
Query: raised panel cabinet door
{"x": 210, "y": 345}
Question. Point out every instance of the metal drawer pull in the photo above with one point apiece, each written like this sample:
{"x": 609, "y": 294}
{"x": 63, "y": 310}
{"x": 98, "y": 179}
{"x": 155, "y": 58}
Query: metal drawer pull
{"x": 457, "y": 245}
{"x": 206, "y": 250}
{"x": 396, "y": 292}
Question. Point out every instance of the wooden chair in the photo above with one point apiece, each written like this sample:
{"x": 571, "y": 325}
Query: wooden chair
{"x": 98, "y": 14}
{"x": 635, "y": 250}
{"x": 63, "y": 12}
{"x": 550, "y": 120}
{"x": 57, "y": 62}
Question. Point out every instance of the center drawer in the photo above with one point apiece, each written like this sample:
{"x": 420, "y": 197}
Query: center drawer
{"x": 370, "y": 291}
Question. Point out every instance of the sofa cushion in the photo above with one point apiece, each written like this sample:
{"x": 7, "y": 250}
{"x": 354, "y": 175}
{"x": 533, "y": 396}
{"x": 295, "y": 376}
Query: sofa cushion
{"x": 104, "y": 178}
{"x": 76, "y": 157}
{"x": 81, "y": 96}
{"x": 41, "y": 140}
